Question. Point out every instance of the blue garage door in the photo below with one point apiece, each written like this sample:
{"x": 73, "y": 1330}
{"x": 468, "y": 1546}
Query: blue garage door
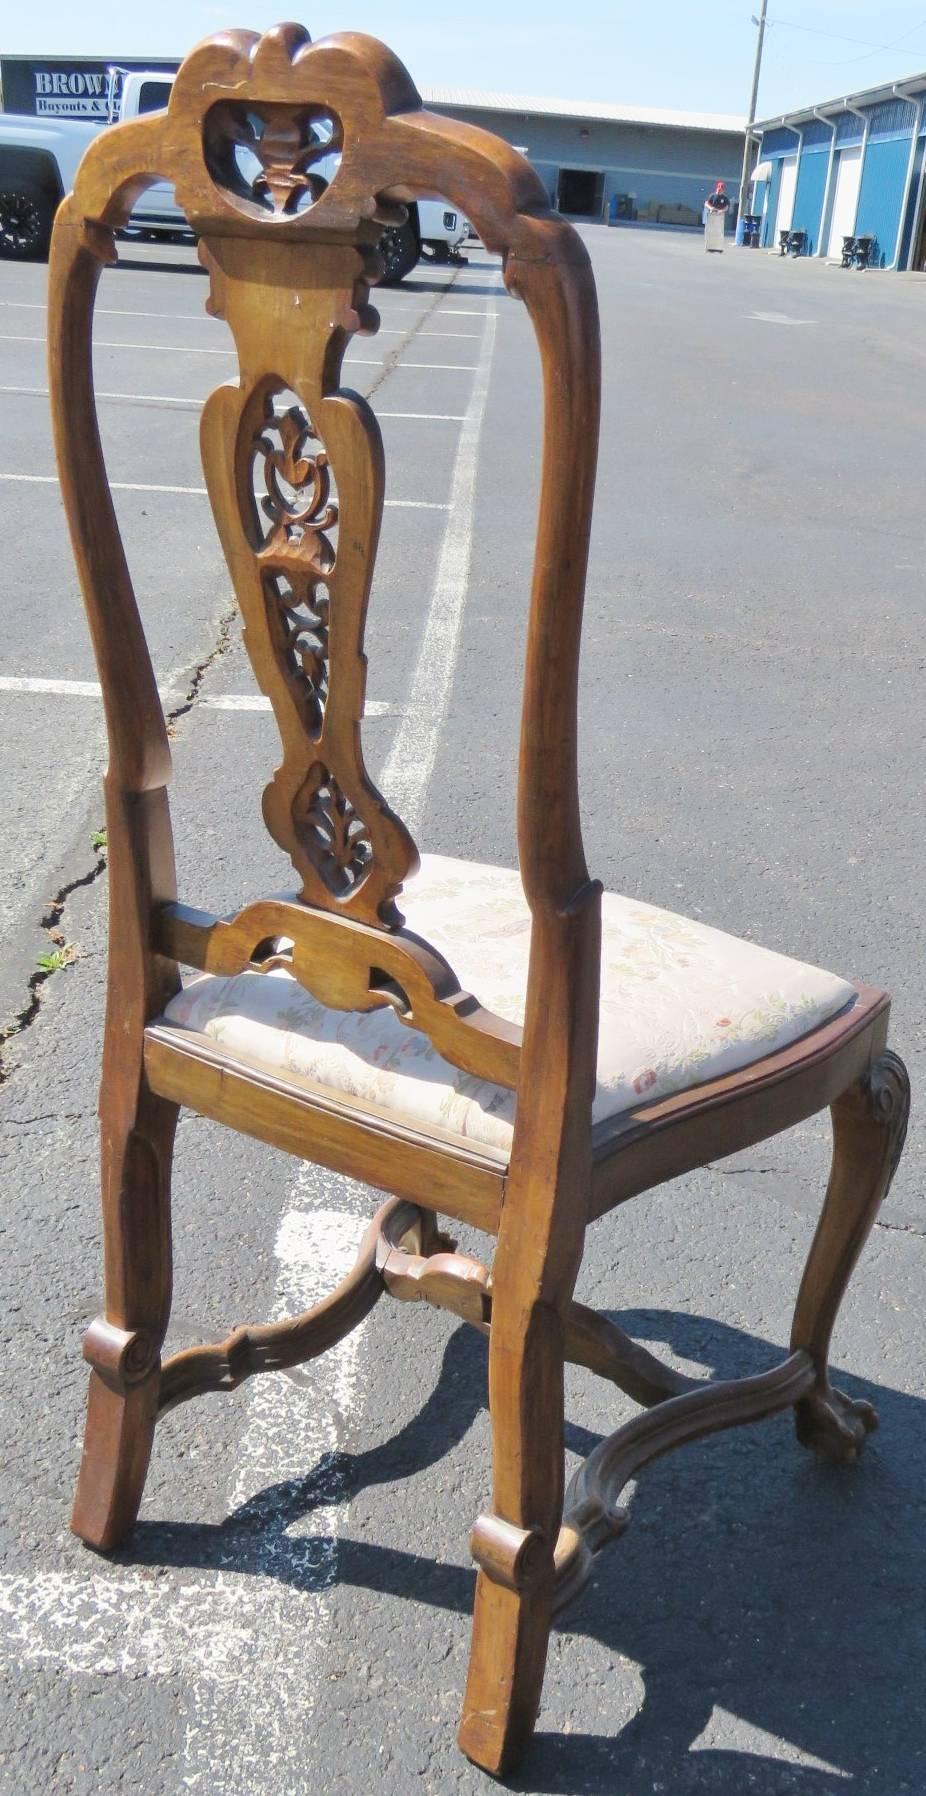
{"x": 808, "y": 200}
{"x": 774, "y": 188}
{"x": 881, "y": 196}
{"x": 906, "y": 241}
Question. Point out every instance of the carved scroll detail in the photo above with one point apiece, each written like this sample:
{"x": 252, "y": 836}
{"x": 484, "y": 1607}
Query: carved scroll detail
{"x": 291, "y": 524}
{"x": 888, "y": 1091}
{"x": 262, "y": 156}
{"x": 297, "y": 501}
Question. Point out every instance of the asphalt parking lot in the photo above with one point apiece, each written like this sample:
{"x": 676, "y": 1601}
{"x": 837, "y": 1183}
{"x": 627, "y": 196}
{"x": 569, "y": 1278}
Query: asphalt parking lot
{"x": 292, "y": 1613}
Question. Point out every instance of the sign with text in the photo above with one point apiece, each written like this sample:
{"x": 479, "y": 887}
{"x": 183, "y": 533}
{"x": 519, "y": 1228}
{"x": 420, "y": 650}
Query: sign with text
{"x": 70, "y": 87}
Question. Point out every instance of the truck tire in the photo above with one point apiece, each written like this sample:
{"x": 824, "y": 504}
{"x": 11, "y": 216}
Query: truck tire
{"x": 399, "y": 251}
{"x": 26, "y": 215}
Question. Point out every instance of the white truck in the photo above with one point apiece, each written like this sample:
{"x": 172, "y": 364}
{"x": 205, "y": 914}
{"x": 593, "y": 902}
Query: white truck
{"x": 39, "y": 158}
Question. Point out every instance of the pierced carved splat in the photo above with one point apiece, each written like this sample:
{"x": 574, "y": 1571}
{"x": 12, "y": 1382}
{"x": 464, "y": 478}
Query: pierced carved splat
{"x": 296, "y": 507}
{"x": 294, "y": 468}
{"x": 332, "y": 832}
{"x": 297, "y": 618}
{"x": 292, "y": 523}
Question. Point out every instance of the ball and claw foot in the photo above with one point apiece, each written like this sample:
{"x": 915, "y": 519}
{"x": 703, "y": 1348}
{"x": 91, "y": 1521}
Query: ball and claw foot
{"x": 834, "y": 1425}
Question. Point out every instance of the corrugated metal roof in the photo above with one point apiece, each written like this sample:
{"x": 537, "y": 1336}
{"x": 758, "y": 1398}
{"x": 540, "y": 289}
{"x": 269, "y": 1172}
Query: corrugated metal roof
{"x": 532, "y": 105}
{"x": 867, "y": 96}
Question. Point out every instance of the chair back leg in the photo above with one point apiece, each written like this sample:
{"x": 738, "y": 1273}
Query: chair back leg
{"x": 869, "y": 1126}
{"x": 124, "y": 1345}
{"x": 513, "y": 1546}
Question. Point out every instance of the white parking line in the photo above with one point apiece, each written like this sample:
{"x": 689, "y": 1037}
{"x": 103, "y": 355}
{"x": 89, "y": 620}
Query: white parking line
{"x": 454, "y": 367}
{"x": 64, "y": 688}
{"x": 31, "y": 305}
{"x": 353, "y": 361}
{"x": 162, "y": 348}
{"x": 407, "y": 773}
{"x": 450, "y": 311}
{"x": 255, "y": 701}
{"x": 470, "y": 336}
{"x": 195, "y": 405}
{"x": 126, "y": 398}
{"x": 778, "y": 318}
{"x": 199, "y": 492}
{"x": 219, "y": 701}
{"x": 241, "y": 1650}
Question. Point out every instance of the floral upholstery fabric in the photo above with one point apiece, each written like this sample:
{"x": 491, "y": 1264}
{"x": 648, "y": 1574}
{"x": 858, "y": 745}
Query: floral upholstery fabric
{"x": 681, "y": 1004}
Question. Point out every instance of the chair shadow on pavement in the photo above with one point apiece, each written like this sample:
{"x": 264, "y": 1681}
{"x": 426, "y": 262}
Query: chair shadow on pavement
{"x": 752, "y": 1580}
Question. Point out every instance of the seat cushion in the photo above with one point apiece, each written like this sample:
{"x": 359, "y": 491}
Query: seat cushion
{"x": 680, "y": 1004}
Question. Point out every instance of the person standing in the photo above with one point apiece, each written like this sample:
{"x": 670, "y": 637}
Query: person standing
{"x": 716, "y": 207}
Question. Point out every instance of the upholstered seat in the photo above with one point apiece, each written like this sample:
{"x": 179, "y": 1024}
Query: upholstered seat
{"x": 681, "y": 1004}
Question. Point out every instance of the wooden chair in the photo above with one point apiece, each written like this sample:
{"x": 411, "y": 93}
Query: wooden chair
{"x": 320, "y": 1022}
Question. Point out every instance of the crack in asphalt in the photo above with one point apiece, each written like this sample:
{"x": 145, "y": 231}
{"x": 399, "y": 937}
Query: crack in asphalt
{"x": 899, "y": 1228}
{"x": 53, "y": 914}
{"x": 743, "y": 1172}
{"x": 391, "y": 358}
{"x": 29, "y": 1122}
{"x": 50, "y": 921}
{"x": 222, "y": 644}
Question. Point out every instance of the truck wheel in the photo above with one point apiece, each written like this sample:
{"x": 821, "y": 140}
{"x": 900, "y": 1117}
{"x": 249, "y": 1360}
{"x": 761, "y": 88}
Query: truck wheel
{"x": 26, "y": 214}
{"x": 399, "y": 252}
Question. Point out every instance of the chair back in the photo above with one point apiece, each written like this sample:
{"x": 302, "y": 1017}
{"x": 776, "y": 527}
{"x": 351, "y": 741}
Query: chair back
{"x": 289, "y": 159}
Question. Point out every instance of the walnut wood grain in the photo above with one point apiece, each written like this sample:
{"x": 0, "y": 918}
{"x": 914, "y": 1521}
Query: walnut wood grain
{"x": 365, "y": 1141}
{"x": 349, "y": 966}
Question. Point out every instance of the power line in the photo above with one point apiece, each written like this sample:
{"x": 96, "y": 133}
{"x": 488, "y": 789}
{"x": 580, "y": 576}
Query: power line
{"x": 841, "y": 37}
{"x": 792, "y": 25}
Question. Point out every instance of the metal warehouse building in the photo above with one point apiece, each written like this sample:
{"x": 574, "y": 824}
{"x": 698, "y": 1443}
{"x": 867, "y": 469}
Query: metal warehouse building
{"x": 849, "y": 167}
{"x": 597, "y": 160}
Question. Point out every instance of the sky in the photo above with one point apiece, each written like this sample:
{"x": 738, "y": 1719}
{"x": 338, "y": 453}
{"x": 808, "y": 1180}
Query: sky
{"x": 694, "y": 54}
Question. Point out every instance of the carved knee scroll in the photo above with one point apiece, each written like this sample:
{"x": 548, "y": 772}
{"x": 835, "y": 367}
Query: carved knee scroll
{"x": 887, "y": 1092}
{"x": 510, "y": 1556}
{"x": 122, "y": 1357}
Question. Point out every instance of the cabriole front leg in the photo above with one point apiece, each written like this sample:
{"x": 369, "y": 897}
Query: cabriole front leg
{"x": 869, "y": 1126}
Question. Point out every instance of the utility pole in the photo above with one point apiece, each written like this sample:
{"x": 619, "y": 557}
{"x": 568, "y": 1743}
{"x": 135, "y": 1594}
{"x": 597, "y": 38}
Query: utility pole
{"x": 747, "y": 147}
